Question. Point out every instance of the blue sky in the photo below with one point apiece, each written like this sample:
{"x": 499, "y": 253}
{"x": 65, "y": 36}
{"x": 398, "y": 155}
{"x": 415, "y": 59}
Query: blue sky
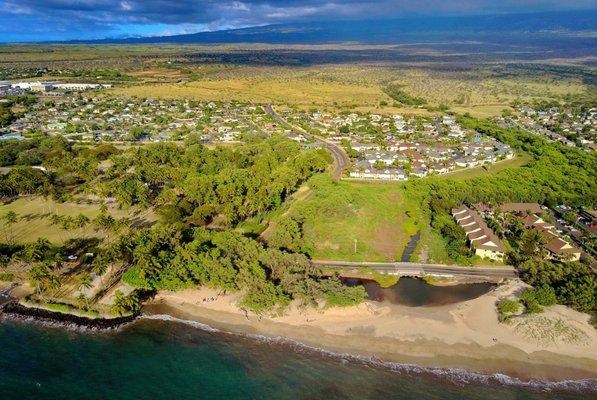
{"x": 50, "y": 20}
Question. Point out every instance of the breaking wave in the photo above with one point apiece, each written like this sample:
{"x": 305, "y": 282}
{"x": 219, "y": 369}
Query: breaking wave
{"x": 457, "y": 376}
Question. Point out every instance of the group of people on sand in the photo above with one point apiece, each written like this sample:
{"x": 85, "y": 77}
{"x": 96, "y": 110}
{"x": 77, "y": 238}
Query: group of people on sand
{"x": 209, "y": 299}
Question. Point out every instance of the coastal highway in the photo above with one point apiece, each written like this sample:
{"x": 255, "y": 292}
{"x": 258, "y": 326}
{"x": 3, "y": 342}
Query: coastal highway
{"x": 418, "y": 269}
{"x": 341, "y": 160}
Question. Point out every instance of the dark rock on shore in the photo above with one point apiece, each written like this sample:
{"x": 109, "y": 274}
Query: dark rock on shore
{"x": 16, "y": 310}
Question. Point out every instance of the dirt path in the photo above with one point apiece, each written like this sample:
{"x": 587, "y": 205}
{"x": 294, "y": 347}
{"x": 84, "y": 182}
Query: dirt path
{"x": 301, "y": 194}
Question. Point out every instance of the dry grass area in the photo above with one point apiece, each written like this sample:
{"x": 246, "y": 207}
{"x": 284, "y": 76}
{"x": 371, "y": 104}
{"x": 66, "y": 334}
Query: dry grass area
{"x": 157, "y": 73}
{"x": 355, "y": 87}
{"x": 310, "y": 76}
{"x": 292, "y": 91}
{"x": 34, "y": 219}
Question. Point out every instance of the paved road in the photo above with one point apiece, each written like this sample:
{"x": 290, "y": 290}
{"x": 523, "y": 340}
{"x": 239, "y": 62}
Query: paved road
{"x": 341, "y": 160}
{"x": 417, "y": 269}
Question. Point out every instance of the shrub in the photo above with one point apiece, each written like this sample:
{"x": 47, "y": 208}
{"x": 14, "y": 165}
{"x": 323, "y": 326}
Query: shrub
{"x": 530, "y": 302}
{"x": 6, "y": 277}
{"x": 337, "y": 294}
{"x": 545, "y": 295}
{"x": 264, "y": 298}
{"x": 134, "y": 278}
{"x": 386, "y": 281}
{"x": 508, "y": 306}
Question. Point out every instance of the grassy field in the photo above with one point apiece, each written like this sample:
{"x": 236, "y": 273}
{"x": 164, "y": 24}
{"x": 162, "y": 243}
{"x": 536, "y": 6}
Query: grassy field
{"x": 467, "y": 173}
{"x": 376, "y": 215}
{"x": 34, "y": 219}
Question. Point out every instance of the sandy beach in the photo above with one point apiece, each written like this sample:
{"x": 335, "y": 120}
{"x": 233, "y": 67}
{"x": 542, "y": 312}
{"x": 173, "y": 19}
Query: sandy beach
{"x": 558, "y": 344}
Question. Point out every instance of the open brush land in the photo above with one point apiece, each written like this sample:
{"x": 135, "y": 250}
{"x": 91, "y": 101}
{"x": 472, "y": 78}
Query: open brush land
{"x": 327, "y": 77}
{"x": 359, "y": 88}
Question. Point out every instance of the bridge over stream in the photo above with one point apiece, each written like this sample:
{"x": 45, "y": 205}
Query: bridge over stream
{"x": 420, "y": 269}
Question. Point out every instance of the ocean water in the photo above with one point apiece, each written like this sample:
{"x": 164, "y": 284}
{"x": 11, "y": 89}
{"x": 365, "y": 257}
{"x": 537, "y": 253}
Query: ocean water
{"x": 157, "y": 359}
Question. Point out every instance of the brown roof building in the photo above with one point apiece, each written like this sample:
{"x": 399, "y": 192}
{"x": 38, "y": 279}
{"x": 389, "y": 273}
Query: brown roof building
{"x": 557, "y": 247}
{"x": 521, "y": 208}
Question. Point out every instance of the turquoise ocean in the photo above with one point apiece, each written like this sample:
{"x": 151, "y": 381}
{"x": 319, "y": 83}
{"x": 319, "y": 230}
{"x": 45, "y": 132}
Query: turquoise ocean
{"x": 169, "y": 359}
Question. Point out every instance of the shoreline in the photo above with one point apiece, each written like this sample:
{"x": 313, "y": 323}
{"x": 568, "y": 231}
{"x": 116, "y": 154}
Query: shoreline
{"x": 429, "y": 337}
{"x": 16, "y": 311}
{"x": 443, "y": 340}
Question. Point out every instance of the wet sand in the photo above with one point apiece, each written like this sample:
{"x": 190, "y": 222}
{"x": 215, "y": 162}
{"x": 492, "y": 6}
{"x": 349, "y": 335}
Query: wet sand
{"x": 466, "y": 335}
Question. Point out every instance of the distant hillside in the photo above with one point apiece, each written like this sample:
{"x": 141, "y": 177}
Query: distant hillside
{"x": 505, "y": 27}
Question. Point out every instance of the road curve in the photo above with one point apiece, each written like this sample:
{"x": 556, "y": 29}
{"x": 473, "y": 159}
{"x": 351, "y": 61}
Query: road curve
{"x": 341, "y": 160}
{"x": 418, "y": 269}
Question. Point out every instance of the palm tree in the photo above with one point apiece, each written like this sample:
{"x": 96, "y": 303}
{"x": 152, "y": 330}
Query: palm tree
{"x": 126, "y": 304}
{"x": 54, "y": 281}
{"x": 38, "y": 277}
{"x": 85, "y": 282}
{"x": 120, "y": 305}
{"x": 37, "y": 250}
{"x": 83, "y": 301}
{"x": 99, "y": 267}
{"x": 11, "y": 218}
{"x": 81, "y": 222}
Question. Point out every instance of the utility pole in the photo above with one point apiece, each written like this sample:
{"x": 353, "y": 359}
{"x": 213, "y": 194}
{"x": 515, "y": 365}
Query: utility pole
{"x": 355, "y": 246}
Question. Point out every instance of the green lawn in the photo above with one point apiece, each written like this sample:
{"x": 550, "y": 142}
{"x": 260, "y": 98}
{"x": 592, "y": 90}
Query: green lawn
{"x": 375, "y": 215}
{"x": 380, "y": 217}
{"x": 468, "y": 173}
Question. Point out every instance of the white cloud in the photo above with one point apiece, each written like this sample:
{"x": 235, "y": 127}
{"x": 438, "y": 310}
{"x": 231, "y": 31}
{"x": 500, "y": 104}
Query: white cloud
{"x": 11, "y": 8}
{"x": 239, "y": 6}
{"x": 126, "y": 6}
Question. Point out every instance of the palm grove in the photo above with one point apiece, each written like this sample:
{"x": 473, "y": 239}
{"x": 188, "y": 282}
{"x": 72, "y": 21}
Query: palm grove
{"x": 201, "y": 194}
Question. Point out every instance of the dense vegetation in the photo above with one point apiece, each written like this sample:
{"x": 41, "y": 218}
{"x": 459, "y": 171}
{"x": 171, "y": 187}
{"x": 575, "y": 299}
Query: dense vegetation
{"x": 169, "y": 258}
{"x": 190, "y": 184}
{"x": 6, "y": 115}
{"x": 397, "y": 93}
{"x": 190, "y": 187}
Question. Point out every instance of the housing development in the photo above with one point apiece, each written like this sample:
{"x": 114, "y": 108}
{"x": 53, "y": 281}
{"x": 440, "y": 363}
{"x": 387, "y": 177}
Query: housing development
{"x": 390, "y": 147}
{"x": 571, "y": 126}
{"x": 112, "y": 120}
{"x": 381, "y": 147}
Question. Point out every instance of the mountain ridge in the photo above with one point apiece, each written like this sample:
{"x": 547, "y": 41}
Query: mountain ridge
{"x": 388, "y": 31}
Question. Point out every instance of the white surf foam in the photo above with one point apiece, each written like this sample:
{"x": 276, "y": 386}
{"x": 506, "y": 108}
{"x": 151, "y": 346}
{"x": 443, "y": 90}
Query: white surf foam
{"x": 455, "y": 375}
{"x": 166, "y": 317}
